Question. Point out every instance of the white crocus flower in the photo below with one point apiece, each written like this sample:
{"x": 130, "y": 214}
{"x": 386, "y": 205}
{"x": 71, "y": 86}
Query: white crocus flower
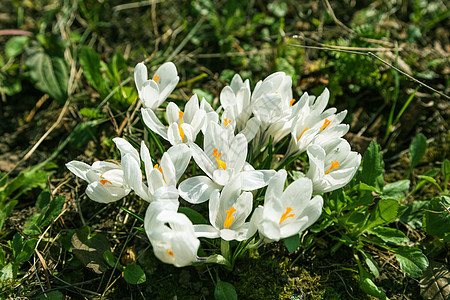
{"x": 171, "y": 235}
{"x": 222, "y": 159}
{"x": 313, "y": 125}
{"x": 272, "y": 105}
{"x": 228, "y": 211}
{"x": 287, "y": 212}
{"x": 105, "y": 180}
{"x": 332, "y": 165}
{"x": 183, "y": 126}
{"x": 161, "y": 179}
{"x": 153, "y": 92}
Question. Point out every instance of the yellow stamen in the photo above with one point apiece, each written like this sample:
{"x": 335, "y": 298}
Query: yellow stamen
{"x": 334, "y": 165}
{"x": 220, "y": 163}
{"x": 180, "y": 115}
{"x": 160, "y": 169}
{"x": 229, "y": 220}
{"x": 104, "y": 181}
{"x": 302, "y": 133}
{"x": 227, "y": 121}
{"x": 169, "y": 252}
{"x": 292, "y": 102}
{"x": 286, "y": 214}
{"x": 325, "y": 124}
{"x": 156, "y": 78}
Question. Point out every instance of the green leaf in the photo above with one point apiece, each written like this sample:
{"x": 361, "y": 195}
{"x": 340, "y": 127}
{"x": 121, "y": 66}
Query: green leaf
{"x": 53, "y": 295}
{"x": 27, "y": 251}
{"x": 17, "y": 244}
{"x": 417, "y": 149}
{"x": 89, "y": 249}
{"x": 111, "y": 259}
{"x": 412, "y": 261}
{"x": 389, "y": 235}
{"x": 90, "y": 63}
{"x": 92, "y": 113}
{"x": 15, "y": 46}
{"x": 372, "y": 165}
{"x": 446, "y": 170}
{"x": 43, "y": 199}
{"x": 436, "y": 219}
{"x": 134, "y": 274}
{"x": 194, "y": 216}
{"x": 224, "y": 291}
{"x": 2, "y": 258}
{"x": 385, "y": 212}
{"x": 50, "y": 73}
{"x": 367, "y": 285}
{"x": 7, "y": 273}
{"x": 6, "y": 211}
{"x": 203, "y": 94}
{"x": 371, "y": 263}
{"x": 292, "y": 242}
{"x": 395, "y": 190}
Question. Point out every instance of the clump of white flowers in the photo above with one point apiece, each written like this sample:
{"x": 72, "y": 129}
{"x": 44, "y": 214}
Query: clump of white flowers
{"x": 235, "y": 155}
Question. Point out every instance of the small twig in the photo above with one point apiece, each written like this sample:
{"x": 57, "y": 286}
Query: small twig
{"x": 336, "y": 20}
{"x": 445, "y": 207}
{"x": 370, "y": 54}
{"x": 15, "y": 32}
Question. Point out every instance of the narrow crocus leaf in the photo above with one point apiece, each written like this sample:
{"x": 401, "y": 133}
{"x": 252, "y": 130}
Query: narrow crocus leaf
{"x": 372, "y": 165}
{"x": 224, "y": 291}
{"x": 134, "y": 274}
{"x": 417, "y": 149}
{"x": 412, "y": 261}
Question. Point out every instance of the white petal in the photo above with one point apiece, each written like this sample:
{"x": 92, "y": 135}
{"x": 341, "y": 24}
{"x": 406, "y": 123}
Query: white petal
{"x": 140, "y": 75}
{"x": 251, "y": 128}
{"x": 78, "y": 168}
{"x": 152, "y": 122}
{"x": 180, "y": 156}
{"x": 206, "y": 231}
{"x": 202, "y": 160}
{"x": 197, "y": 189}
{"x": 253, "y": 180}
{"x": 149, "y": 95}
{"x": 125, "y": 147}
{"x": 133, "y": 176}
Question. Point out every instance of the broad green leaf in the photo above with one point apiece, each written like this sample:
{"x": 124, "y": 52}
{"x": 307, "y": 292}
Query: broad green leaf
{"x": 17, "y": 244}
{"x": 389, "y": 235}
{"x": 385, "y": 212}
{"x": 417, "y": 149}
{"x": 367, "y": 285}
{"x": 90, "y": 63}
{"x": 134, "y": 274}
{"x": 371, "y": 263}
{"x": 436, "y": 219}
{"x": 43, "y": 199}
{"x": 89, "y": 249}
{"x": 6, "y": 211}
{"x": 111, "y": 259}
{"x": 92, "y": 113}
{"x": 53, "y": 295}
{"x": 203, "y": 94}
{"x": 395, "y": 190}
{"x": 15, "y": 45}
{"x": 194, "y": 216}
{"x": 22, "y": 183}
{"x": 412, "y": 261}
{"x": 224, "y": 291}
{"x": 27, "y": 251}
{"x": 7, "y": 273}
{"x": 292, "y": 242}
{"x": 50, "y": 74}
{"x": 372, "y": 165}
{"x": 53, "y": 210}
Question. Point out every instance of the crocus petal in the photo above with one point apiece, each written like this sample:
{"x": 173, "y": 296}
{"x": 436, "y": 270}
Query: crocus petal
{"x": 206, "y": 231}
{"x": 78, "y": 168}
{"x": 154, "y": 123}
{"x": 149, "y": 95}
{"x": 133, "y": 176}
{"x": 125, "y": 147}
{"x": 253, "y": 180}
{"x": 180, "y": 156}
{"x": 197, "y": 189}
{"x": 140, "y": 75}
